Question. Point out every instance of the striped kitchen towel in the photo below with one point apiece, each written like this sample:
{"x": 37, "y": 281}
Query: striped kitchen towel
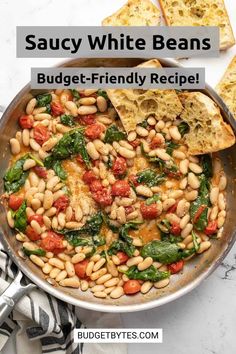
{"x": 44, "y": 324}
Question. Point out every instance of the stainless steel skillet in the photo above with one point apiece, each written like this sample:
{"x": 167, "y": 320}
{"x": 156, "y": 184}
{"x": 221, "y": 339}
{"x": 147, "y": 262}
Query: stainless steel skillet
{"x": 195, "y": 271}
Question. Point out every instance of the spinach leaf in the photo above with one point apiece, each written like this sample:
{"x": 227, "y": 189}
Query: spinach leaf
{"x": 91, "y": 229}
{"x": 77, "y": 241}
{"x": 59, "y": 170}
{"x": 99, "y": 240}
{"x": 120, "y": 245}
{"x": 164, "y": 226}
{"x": 109, "y": 162}
{"x": 150, "y": 273}
{"x": 162, "y": 251}
{"x": 150, "y": 177}
{"x": 199, "y": 207}
{"x": 123, "y": 232}
{"x": 183, "y": 128}
{"x": 143, "y": 124}
{"x": 109, "y": 224}
{"x": 125, "y": 242}
{"x": 15, "y": 176}
{"x": 196, "y": 245}
{"x": 75, "y": 94}
{"x": 206, "y": 162}
{"x": 21, "y": 218}
{"x": 72, "y": 143}
{"x": 44, "y": 99}
{"x": 170, "y": 146}
{"x": 38, "y": 252}
{"x": 68, "y": 120}
{"x": 48, "y": 109}
{"x": 114, "y": 134}
{"x": 38, "y": 162}
{"x": 103, "y": 94}
{"x": 152, "y": 199}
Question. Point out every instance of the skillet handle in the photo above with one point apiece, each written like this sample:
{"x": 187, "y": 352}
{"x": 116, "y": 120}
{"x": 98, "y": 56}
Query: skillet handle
{"x": 14, "y": 292}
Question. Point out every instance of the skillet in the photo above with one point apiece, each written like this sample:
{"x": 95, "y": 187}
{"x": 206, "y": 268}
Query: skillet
{"x": 195, "y": 271}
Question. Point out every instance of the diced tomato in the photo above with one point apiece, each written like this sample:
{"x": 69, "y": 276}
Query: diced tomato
{"x": 129, "y": 209}
{"x": 87, "y": 119}
{"x": 52, "y": 243}
{"x": 15, "y": 201}
{"x": 156, "y": 142}
{"x": 89, "y": 177}
{"x": 175, "y": 228}
{"x": 172, "y": 174}
{"x": 119, "y": 167}
{"x": 176, "y": 267}
{"x": 94, "y": 131}
{"x": 79, "y": 159}
{"x": 56, "y": 108}
{"x": 173, "y": 208}
{"x": 40, "y": 171}
{"x": 26, "y": 122}
{"x": 80, "y": 268}
{"x": 131, "y": 287}
{"x": 96, "y": 186}
{"x": 103, "y": 197}
{"x": 199, "y": 213}
{"x": 38, "y": 218}
{"x": 135, "y": 143}
{"x": 61, "y": 203}
{"x": 121, "y": 189}
{"x": 41, "y": 134}
{"x": 211, "y": 228}
{"x": 122, "y": 257}
{"x": 32, "y": 234}
{"x": 149, "y": 211}
{"x": 133, "y": 180}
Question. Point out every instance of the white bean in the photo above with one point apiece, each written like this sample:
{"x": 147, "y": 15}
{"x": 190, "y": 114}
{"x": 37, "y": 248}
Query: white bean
{"x": 162, "y": 283}
{"x": 193, "y": 181}
{"x": 183, "y": 166}
{"x": 15, "y": 146}
{"x": 25, "y": 137}
{"x": 195, "y": 168}
{"x": 214, "y": 195}
{"x": 144, "y": 191}
{"x": 186, "y": 231}
{"x": 141, "y": 131}
{"x": 174, "y": 133}
{"x": 30, "y": 106}
{"x": 101, "y": 104}
{"x": 222, "y": 183}
{"x": 71, "y": 106}
{"x": 117, "y": 292}
{"x": 93, "y": 153}
{"x": 84, "y": 110}
{"x": 184, "y": 221}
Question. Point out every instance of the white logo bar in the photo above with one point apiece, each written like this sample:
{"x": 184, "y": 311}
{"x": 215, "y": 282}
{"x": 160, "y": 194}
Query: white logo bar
{"x": 118, "y": 335}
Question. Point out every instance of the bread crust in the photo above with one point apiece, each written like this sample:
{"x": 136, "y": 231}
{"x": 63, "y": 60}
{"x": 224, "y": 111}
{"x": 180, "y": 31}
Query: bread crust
{"x": 226, "y": 88}
{"x": 133, "y": 106}
{"x": 208, "y": 132}
{"x": 135, "y": 13}
{"x": 197, "y": 13}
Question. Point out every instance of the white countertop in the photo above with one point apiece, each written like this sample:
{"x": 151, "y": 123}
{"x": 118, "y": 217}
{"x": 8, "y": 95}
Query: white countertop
{"x": 202, "y": 321}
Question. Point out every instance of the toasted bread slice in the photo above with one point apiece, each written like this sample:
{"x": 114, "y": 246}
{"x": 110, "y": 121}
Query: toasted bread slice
{"x": 133, "y": 106}
{"x": 208, "y": 132}
{"x": 200, "y": 13}
{"x": 135, "y": 13}
{"x": 227, "y": 87}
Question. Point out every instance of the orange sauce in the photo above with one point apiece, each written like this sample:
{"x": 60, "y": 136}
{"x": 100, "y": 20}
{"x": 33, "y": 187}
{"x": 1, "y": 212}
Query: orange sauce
{"x": 147, "y": 232}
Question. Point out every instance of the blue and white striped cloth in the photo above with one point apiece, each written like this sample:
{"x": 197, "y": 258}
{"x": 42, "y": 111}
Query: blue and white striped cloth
{"x": 44, "y": 324}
